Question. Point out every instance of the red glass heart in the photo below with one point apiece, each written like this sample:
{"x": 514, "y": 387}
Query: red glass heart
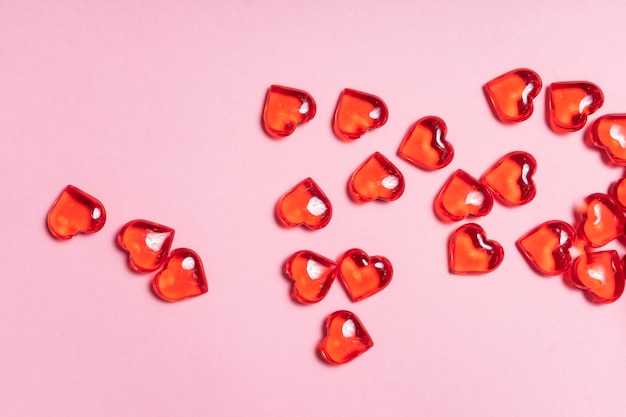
{"x": 286, "y": 108}
{"x": 306, "y": 205}
{"x": 461, "y": 196}
{"x": 182, "y": 277}
{"x": 511, "y": 95}
{"x": 73, "y": 212}
{"x": 618, "y": 192}
{"x": 600, "y": 274}
{"x": 609, "y": 134}
{"x": 425, "y": 145}
{"x": 346, "y": 338}
{"x": 546, "y": 247}
{"x": 376, "y": 179}
{"x": 470, "y": 252}
{"x": 510, "y": 178}
{"x": 569, "y": 104}
{"x": 147, "y": 244}
{"x": 312, "y": 275}
{"x": 363, "y": 276}
{"x": 357, "y": 112}
{"x": 600, "y": 220}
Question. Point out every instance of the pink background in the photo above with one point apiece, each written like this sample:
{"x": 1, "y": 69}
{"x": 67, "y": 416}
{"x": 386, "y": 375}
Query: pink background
{"x": 154, "y": 108}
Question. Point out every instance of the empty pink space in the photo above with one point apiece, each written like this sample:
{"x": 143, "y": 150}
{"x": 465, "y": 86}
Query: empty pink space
{"x": 154, "y": 109}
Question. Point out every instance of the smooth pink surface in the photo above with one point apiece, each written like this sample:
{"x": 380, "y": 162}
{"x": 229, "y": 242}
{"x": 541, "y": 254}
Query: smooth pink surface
{"x": 154, "y": 108}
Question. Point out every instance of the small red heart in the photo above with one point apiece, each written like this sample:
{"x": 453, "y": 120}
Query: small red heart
{"x": 376, "y": 179}
{"x": 425, "y": 145}
{"x": 461, "y": 196}
{"x": 363, "y": 276}
{"x": 510, "y": 178}
{"x": 147, "y": 244}
{"x": 357, "y": 112}
{"x": 600, "y": 220}
{"x": 470, "y": 252}
{"x": 600, "y": 274}
{"x": 182, "y": 277}
{"x": 286, "y": 108}
{"x": 306, "y": 205}
{"x": 73, "y": 212}
{"x": 546, "y": 247}
{"x": 312, "y": 275}
{"x": 569, "y": 104}
{"x": 511, "y": 95}
{"x": 346, "y": 338}
{"x": 609, "y": 134}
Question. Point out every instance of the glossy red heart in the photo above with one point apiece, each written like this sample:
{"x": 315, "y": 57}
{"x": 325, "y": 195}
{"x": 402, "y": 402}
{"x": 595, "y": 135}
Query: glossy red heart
{"x": 600, "y": 274}
{"x": 362, "y": 275}
{"x": 510, "y": 178}
{"x": 546, "y": 247}
{"x": 306, "y": 205}
{"x": 609, "y": 134}
{"x": 182, "y": 276}
{"x": 147, "y": 244}
{"x": 312, "y": 275}
{"x": 425, "y": 144}
{"x": 462, "y": 196}
{"x": 73, "y": 212}
{"x": 345, "y": 339}
{"x": 376, "y": 179}
{"x": 286, "y": 108}
{"x": 357, "y": 112}
{"x": 470, "y": 252}
{"x": 600, "y": 220}
{"x": 569, "y": 104}
{"x": 511, "y": 95}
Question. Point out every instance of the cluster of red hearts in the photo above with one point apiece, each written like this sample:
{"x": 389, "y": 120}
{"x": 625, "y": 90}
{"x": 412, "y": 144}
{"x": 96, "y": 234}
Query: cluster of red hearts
{"x": 181, "y": 274}
{"x": 509, "y": 181}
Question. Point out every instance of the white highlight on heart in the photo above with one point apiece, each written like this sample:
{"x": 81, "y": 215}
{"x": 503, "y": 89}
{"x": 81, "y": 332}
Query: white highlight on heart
{"x": 155, "y": 240}
{"x": 314, "y": 269}
{"x": 527, "y": 91}
{"x": 379, "y": 265}
{"x": 617, "y": 133}
{"x": 525, "y": 171}
{"x": 304, "y": 108}
{"x": 348, "y": 329}
{"x": 475, "y": 198}
{"x": 438, "y": 138}
{"x": 188, "y": 263}
{"x": 390, "y": 182}
{"x": 563, "y": 237}
{"x": 375, "y": 114}
{"x": 598, "y": 273}
{"x": 96, "y": 213}
{"x": 587, "y": 100}
{"x": 482, "y": 243}
{"x": 597, "y": 210}
{"x": 316, "y": 207}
